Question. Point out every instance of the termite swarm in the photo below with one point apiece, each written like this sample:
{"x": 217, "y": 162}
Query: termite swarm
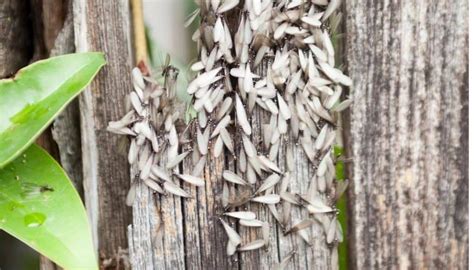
{"x": 279, "y": 60}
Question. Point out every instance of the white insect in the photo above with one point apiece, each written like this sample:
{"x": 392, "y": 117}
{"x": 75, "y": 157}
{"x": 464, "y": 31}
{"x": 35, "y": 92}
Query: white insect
{"x": 253, "y": 245}
{"x": 191, "y": 179}
{"x": 267, "y": 199}
{"x": 233, "y": 178}
{"x": 242, "y": 116}
{"x": 246, "y": 215}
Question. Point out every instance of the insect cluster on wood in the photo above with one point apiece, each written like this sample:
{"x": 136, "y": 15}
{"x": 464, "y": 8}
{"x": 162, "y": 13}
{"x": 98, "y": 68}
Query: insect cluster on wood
{"x": 151, "y": 123}
{"x": 281, "y": 62}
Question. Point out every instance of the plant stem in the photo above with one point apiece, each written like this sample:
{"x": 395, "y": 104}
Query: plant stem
{"x": 139, "y": 36}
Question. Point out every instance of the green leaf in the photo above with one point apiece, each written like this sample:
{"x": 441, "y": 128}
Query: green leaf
{"x": 38, "y": 92}
{"x": 39, "y": 206}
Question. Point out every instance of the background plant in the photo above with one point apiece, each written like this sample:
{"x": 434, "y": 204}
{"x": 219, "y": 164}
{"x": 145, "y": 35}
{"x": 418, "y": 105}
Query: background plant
{"x": 38, "y": 203}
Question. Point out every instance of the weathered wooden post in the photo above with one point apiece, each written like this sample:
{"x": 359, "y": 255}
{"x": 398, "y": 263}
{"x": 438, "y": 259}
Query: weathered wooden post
{"x": 407, "y": 134}
{"x": 169, "y": 232}
{"x": 104, "y": 26}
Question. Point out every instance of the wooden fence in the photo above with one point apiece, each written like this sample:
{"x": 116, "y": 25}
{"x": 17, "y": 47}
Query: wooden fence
{"x": 407, "y": 133}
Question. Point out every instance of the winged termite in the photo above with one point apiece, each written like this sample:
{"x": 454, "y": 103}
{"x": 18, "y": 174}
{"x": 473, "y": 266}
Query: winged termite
{"x": 290, "y": 197}
{"x": 256, "y": 244}
{"x": 160, "y": 173}
{"x": 199, "y": 167}
{"x": 218, "y": 30}
{"x": 342, "y": 106}
{"x": 222, "y": 124}
{"x": 242, "y": 116}
{"x": 268, "y": 183}
{"x": 301, "y": 225}
{"x": 175, "y": 189}
{"x": 274, "y": 149}
{"x": 280, "y": 30}
{"x": 131, "y": 194}
{"x": 242, "y": 198}
{"x": 228, "y": 142}
{"x": 306, "y": 236}
{"x": 203, "y": 140}
{"x": 191, "y": 17}
{"x": 321, "y": 137}
{"x": 246, "y": 215}
{"x": 233, "y": 178}
{"x": 176, "y": 160}
{"x": 242, "y": 162}
{"x": 256, "y": 165}
{"x": 143, "y": 157}
{"x": 191, "y": 179}
{"x": 224, "y": 108}
{"x": 249, "y": 147}
{"x": 234, "y": 237}
{"x": 32, "y": 190}
{"x": 251, "y": 175}
{"x": 231, "y": 248}
{"x": 332, "y": 6}
{"x": 331, "y": 231}
{"x": 268, "y": 164}
{"x": 227, "y": 5}
{"x": 146, "y": 170}
{"x": 267, "y": 199}
{"x": 251, "y": 222}
{"x": 153, "y": 185}
{"x": 218, "y": 147}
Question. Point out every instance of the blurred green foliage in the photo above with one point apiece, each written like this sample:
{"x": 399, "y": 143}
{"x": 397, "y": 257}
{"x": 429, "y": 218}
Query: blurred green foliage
{"x": 341, "y": 205}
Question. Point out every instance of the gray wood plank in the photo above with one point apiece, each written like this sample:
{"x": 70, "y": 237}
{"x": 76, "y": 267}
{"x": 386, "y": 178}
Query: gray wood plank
{"x": 407, "y": 133}
{"x": 66, "y": 127}
{"x": 213, "y": 239}
{"x": 192, "y": 214}
{"x": 104, "y": 26}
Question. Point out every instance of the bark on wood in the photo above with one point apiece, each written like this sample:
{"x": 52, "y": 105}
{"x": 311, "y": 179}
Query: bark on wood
{"x": 47, "y": 18}
{"x": 104, "y": 26}
{"x": 46, "y": 264}
{"x": 407, "y": 134}
{"x": 53, "y": 15}
{"x": 15, "y": 36}
{"x": 66, "y": 127}
{"x": 58, "y": 37}
{"x": 156, "y": 236}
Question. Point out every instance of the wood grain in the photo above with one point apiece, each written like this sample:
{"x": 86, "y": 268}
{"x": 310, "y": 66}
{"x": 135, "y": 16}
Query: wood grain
{"x": 192, "y": 215}
{"x": 407, "y": 134}
{"x": 47, "y": 19}
{"x": 104, "y": 26}
{"x": 66, "y": 127}
{"x": 59, "y": 31}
